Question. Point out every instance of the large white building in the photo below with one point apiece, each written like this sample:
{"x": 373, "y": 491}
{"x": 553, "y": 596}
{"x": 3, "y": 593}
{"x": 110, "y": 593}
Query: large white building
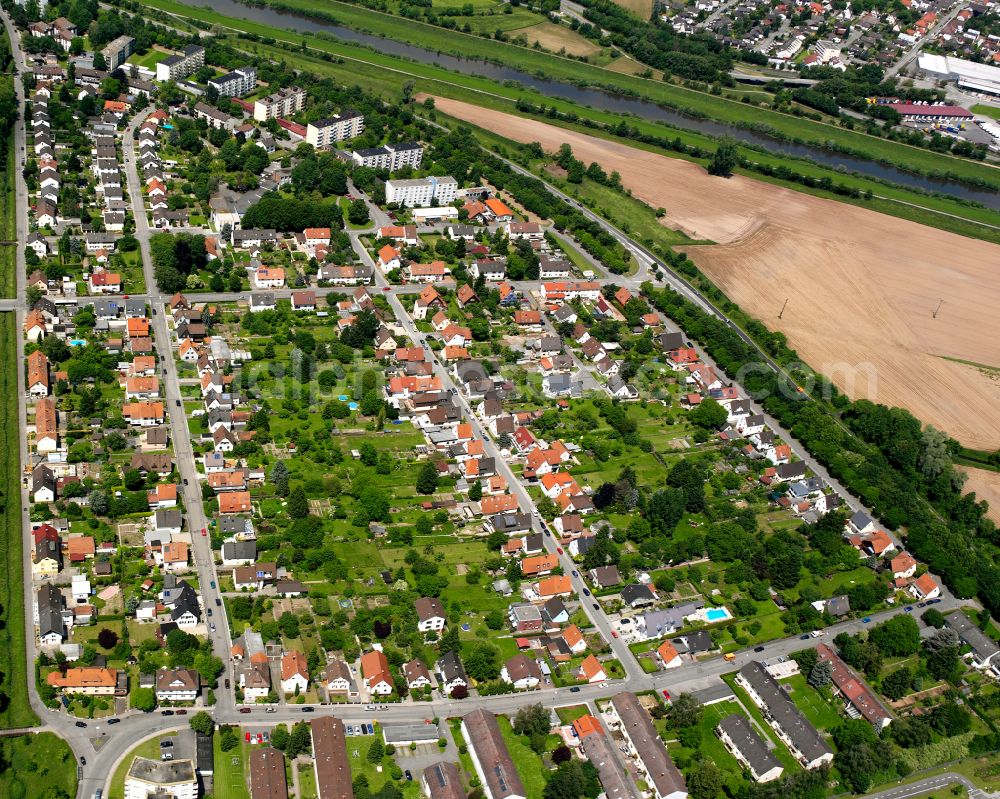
{"x": 326, "y": 132}
{"x": 173, "y": 778}
{"x": 281, "y": 103}
{"x": 968, "y": 74}
{"x": 391, "y": 156}
{"x": 180, "y": 65}
{"x": 421, "y": 192}
{"x": 236, "y": 83}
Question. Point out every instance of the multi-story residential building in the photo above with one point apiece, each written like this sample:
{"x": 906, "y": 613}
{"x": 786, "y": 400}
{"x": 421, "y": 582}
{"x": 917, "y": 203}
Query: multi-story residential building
{"x": 749, "y": 748}
{"x": 87, "y": 680}
{"x": 601, "y": 753}
{"x": 327, "y": 132}
{"x": 490, "y": 757}
{"x": 421, "y": 192}
{"x": 180, "y": 65}
{"x": 281, "y": 103}
{"x": 333, "y": 769}
{"x": 267, "y": 774}
{"x": 860, "y": 699}
{"x": 236, "y": 83}
{"x": 161, "y": 778}
{"x": 391, "y": 156}
{"x": 117, "y": 52}
{"x": 801, "y": 738}
{"x": 646, "y": 747}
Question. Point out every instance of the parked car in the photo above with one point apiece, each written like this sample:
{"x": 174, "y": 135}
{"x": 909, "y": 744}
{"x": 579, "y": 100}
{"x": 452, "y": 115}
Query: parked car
{"x": 758, "y": 649}
{"x": 81, "y": 724}
{"x": 166, "y": 712}
{"x": 218, "y": 602}
{"x": 586, "y": 592}
{"x": 575, "y": 689}
{"x": 614, "y": 634}
{"x": 114, "y": 721}
{"x": 866, "y": 619}
{"x": 83, "y": 761}
{"x": 308, "y": 709}
{"x": 408, "y": 775}
{"x": 243, "y": 709}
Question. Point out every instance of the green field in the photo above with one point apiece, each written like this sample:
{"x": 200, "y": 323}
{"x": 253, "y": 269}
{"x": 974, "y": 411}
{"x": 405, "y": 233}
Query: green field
{"x": 529, "y": 765}
{"x": 229, "y": 780}
{"x": 14, "y": 685}
{"x": 986, "y": 110}
{"x": 44, "y": 762}
{"x": 565, "y": 69}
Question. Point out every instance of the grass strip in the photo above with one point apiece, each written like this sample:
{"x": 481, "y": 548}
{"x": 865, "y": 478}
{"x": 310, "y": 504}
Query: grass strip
{"x": 699, "y": 103}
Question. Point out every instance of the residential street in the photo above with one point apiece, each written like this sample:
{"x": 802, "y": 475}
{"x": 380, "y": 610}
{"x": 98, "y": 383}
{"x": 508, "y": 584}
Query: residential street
{"x": 104, "y": 745}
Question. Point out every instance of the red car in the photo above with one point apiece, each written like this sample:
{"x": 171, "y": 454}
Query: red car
{"x": 204, "y": 531}
{"x": 559, "y": 550}
{"x": 666, "y": 694}
{"x": 614, "y": 634}
{"x": 386, "y": 288}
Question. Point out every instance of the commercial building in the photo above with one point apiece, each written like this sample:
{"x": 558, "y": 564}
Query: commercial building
{"x": 333, "y": 770}
{"x": 281, "y": 103}
{"x": 492, "y": 761}
{"x": 326, "y": 132}
{"x": 421, "y": 192}
{"x": 931, "y": 112}
{"x": 117, "y": 52}
{"x": 161, "y": 778}
{"x": 970, "y": 75}
{"x": 802, "y": 739}
{"x": 180, "y": 65}
{"x": 749, "y": 748}
{"x": 391, "y": 156}
{"x": 646, "y": 747}
{"x": 236, "y": 83}
{"x": 860, "y": 699}
{"x": 267, "y": 774}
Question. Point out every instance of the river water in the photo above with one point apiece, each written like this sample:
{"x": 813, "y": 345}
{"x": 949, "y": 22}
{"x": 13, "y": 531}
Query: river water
{"x": 598, "y": 98}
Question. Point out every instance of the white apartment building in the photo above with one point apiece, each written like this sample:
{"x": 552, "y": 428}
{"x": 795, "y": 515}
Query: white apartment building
{"x": 281, "y": 103}
{"x": 391, "y": 156}
{"x": 173, "y": 778}
{"x": 421, "y": 192}
{"x": 236, "y": 83}
{"x": 327, "y": 132}
{"x": 180, "y": 65}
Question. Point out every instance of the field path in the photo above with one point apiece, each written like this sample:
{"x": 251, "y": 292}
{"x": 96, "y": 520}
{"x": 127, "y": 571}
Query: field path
{"x": 862, "y": 287}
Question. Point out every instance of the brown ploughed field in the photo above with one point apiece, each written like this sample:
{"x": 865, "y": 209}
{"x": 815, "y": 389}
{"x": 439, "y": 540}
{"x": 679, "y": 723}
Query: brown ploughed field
{"x": 862, "y": 287}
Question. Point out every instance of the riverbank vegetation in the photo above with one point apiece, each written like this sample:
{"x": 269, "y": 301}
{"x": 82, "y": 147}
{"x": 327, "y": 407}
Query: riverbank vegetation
{"x": 694, "y": 102}
{"x": 385, "y": 75}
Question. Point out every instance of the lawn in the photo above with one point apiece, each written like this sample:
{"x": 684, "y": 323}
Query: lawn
{"x": 529, "y": 765}
{"x": 307, "y": 782}
{"x": 229, "y": 780}
{"x": 778, "y": 748}
{"x": 149, "y": 59}
{"x": 986, "y": 110}
{"x": 357, "y": 755}
{"x": 821, "y": 713}
{"x": 44, "y": 761}
{"x": 710, "y": 746}
{"x": 571, "y": 713}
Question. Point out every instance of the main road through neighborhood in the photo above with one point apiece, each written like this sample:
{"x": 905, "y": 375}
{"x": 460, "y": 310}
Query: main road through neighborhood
{"x": 103, "y": 746}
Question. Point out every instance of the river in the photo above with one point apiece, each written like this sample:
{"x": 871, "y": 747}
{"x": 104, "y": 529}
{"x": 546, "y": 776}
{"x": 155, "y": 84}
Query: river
{"x": 598, "y": 98}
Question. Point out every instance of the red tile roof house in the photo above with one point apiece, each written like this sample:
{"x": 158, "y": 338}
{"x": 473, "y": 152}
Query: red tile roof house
{"x": 375, "y": 671}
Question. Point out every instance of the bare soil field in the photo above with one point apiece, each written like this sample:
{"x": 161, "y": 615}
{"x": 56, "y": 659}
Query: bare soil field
{"x": 862, "y": 287}
{"x": 986, "y": 484}
{"x": 556, "y": 37}
{"x": 641, "y": 8}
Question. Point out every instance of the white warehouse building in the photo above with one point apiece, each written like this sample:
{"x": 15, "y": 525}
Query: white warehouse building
{"x": 421, "y": 192}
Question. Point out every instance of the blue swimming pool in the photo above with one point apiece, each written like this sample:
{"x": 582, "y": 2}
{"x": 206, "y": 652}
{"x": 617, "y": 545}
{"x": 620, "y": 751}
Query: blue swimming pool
{"x": 716, "y": 614}
{"x": 353, "y": 406}
{"x": 343, "y": 398}
{"x": 78, "y": 342}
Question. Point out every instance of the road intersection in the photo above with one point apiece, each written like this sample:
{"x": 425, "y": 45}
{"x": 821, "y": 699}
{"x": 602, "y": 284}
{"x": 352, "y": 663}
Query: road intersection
{"x": 104, "y": 745}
